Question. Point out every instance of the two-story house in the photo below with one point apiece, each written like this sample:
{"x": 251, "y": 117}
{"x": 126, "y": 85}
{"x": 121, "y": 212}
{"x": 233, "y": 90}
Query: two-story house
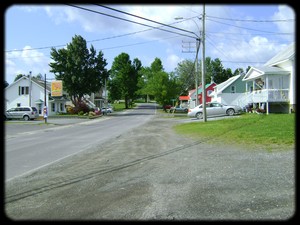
{"x": 272, "y": 87}
{"x": 30, "y": 91}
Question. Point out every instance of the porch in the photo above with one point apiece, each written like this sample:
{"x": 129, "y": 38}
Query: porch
{"x": 274, "y": 100}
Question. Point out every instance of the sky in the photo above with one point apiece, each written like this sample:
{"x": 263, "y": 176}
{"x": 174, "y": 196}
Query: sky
{"x": 239, "y": 35}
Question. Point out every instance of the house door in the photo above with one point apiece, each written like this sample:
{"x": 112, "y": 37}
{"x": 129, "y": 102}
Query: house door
{"x": 39, "y": 108}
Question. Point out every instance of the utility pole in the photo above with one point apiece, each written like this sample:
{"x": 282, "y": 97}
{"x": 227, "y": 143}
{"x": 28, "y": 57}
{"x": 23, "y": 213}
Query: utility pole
{"x": 203, "y": 67}
{"x": 45, "y": 111}
{"x": 30, "y": 87}
{"x": 196, "y": 64}
{"x": 198, "y": 46}
{"x": 198, "y": 40}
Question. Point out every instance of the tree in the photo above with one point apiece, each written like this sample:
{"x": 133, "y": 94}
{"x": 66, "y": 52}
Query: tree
{"x": 124, "y": 78}
{"x": 158, "y": 83}
{"x": 5, "y": 83}
{"x": 81, "y": 70}
{"x": 185, "y": 71}
{"x": 18, "y": 77}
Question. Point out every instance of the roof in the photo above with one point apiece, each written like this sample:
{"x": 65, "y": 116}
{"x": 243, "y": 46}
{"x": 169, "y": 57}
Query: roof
{"x": 184, "y": 98}
{"x": 206, "y": 86}
{"x": 191, "y": 92}
{"x": 263, "y": 70}
{"x": 39, "y": 82}
{"x": 220, "y": 87}
{"x": 284, "y": 55}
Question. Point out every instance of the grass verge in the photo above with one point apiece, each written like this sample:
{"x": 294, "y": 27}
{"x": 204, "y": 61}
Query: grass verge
{"x": 271, "y": 132}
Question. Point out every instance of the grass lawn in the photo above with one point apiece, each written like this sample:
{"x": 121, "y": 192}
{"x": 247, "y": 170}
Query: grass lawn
{"x": 120, "y": 106}
{"x": 272, "y": 132}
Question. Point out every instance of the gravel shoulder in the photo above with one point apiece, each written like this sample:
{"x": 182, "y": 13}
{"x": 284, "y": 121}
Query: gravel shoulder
{"x": 152, "y": 173}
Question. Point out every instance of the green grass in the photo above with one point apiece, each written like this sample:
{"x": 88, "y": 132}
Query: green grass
{"x": 120, "y": 106}
{"x": 271, "y": 132}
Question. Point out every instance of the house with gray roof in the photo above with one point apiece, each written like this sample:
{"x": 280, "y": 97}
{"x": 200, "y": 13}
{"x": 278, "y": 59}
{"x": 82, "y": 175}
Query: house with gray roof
{"x": 272, "y": 87}
{"x": 30, "y": 91}
{"x": 229, "y": 91}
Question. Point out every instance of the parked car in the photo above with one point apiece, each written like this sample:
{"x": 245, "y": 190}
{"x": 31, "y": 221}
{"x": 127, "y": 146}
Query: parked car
{"x": 166, "y": 107}
{"x": 179, "y": 109}
{"x": 24, "y": 112}
{"x": 214, "y": 109}
{"x": 107, "y": 109}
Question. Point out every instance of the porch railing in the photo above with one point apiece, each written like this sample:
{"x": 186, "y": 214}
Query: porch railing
{"x": 265, "y": 95}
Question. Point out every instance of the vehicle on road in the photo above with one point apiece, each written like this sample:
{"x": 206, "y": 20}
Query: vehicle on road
{"x": 24, "y": 112}
{"x": 179, "y": 109}
{"x": 167, "y": 107}
{"x": 107, "y": 109}
{"x": 214, "y": 109}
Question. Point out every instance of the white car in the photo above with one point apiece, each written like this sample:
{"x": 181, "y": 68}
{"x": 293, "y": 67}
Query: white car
{"x": 107, "y": 110}
{"x": 214, "y": 109}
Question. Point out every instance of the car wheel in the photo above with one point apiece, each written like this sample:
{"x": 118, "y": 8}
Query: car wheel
{"x": 186, "y": 110}
{"x": 199, "y": 115}
{"x": 230, "y": 112}
{"x": 26, "y": 118}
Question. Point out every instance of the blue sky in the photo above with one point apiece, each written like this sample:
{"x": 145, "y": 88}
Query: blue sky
{"x": 239, "y": 35}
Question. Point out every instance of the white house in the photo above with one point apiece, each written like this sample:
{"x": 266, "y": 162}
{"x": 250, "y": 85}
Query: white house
{"x": 273, "y": 86}
{"x": 28, "y": 91}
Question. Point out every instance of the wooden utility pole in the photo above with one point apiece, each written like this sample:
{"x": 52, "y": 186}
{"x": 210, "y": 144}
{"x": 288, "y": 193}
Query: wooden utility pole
{"x": 203, "y": 67}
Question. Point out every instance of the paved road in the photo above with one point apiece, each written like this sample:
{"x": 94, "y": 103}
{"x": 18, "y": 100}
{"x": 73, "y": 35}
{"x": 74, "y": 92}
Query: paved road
{"x": 151, "y": 173}
{"x": 32, "y": 145}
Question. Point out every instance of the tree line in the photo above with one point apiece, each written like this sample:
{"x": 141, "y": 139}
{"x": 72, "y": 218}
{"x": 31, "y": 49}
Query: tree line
{"x": 83, "y": 71}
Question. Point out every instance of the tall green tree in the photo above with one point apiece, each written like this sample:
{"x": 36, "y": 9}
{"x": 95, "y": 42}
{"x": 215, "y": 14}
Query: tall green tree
{"x": 124, "y": 78}
{"x": 159, "y": 84}
{"x": 81, "y": 70}
{"x": 185, "y": 71}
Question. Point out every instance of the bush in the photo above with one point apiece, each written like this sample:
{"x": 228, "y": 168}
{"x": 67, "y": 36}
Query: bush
{"x": 81, "y": 106}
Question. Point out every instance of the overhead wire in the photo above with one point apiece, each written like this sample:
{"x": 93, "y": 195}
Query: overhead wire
{"x": 143, "y": 18}
{"x": 245, "y": 28}
{"x": 255, "y": 21}
{"x": 131, "y": 21}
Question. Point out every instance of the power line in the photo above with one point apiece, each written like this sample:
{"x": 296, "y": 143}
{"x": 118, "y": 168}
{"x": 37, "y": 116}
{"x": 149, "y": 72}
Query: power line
{"x": 255, "y": 21}
{"x": 131, "y": 21}
{"x": 270, "y": 32}
{"x": 96, "y": 40}
{"x": 107, "y": 48}
{"x": 140, "y": 17}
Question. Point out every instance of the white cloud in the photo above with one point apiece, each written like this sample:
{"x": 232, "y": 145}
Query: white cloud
{"x": 285, "y": 13}
{"x": 21, "y": 62}
{"x": 172, "y": 62}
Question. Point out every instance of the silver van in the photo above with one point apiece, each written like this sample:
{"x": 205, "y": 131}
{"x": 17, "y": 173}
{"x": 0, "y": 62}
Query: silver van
{"x": 23, "y": 112}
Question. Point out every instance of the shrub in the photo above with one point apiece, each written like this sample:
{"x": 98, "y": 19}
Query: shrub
{"x": 81, "y": 106}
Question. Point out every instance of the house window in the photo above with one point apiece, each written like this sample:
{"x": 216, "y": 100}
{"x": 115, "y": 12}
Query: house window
{"x": 61, "y": 107}
{"x": 18, "y": 104}
{"x": 232, "y": 89}
{"x": 23, "y": 90}
{"x": 53, "y": 107}
{"x": 209, "y": 92}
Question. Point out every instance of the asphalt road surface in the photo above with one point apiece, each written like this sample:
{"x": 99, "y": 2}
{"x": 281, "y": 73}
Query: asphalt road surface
{"x": 33, "y": 144}
{"x": 151, "y": 173}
